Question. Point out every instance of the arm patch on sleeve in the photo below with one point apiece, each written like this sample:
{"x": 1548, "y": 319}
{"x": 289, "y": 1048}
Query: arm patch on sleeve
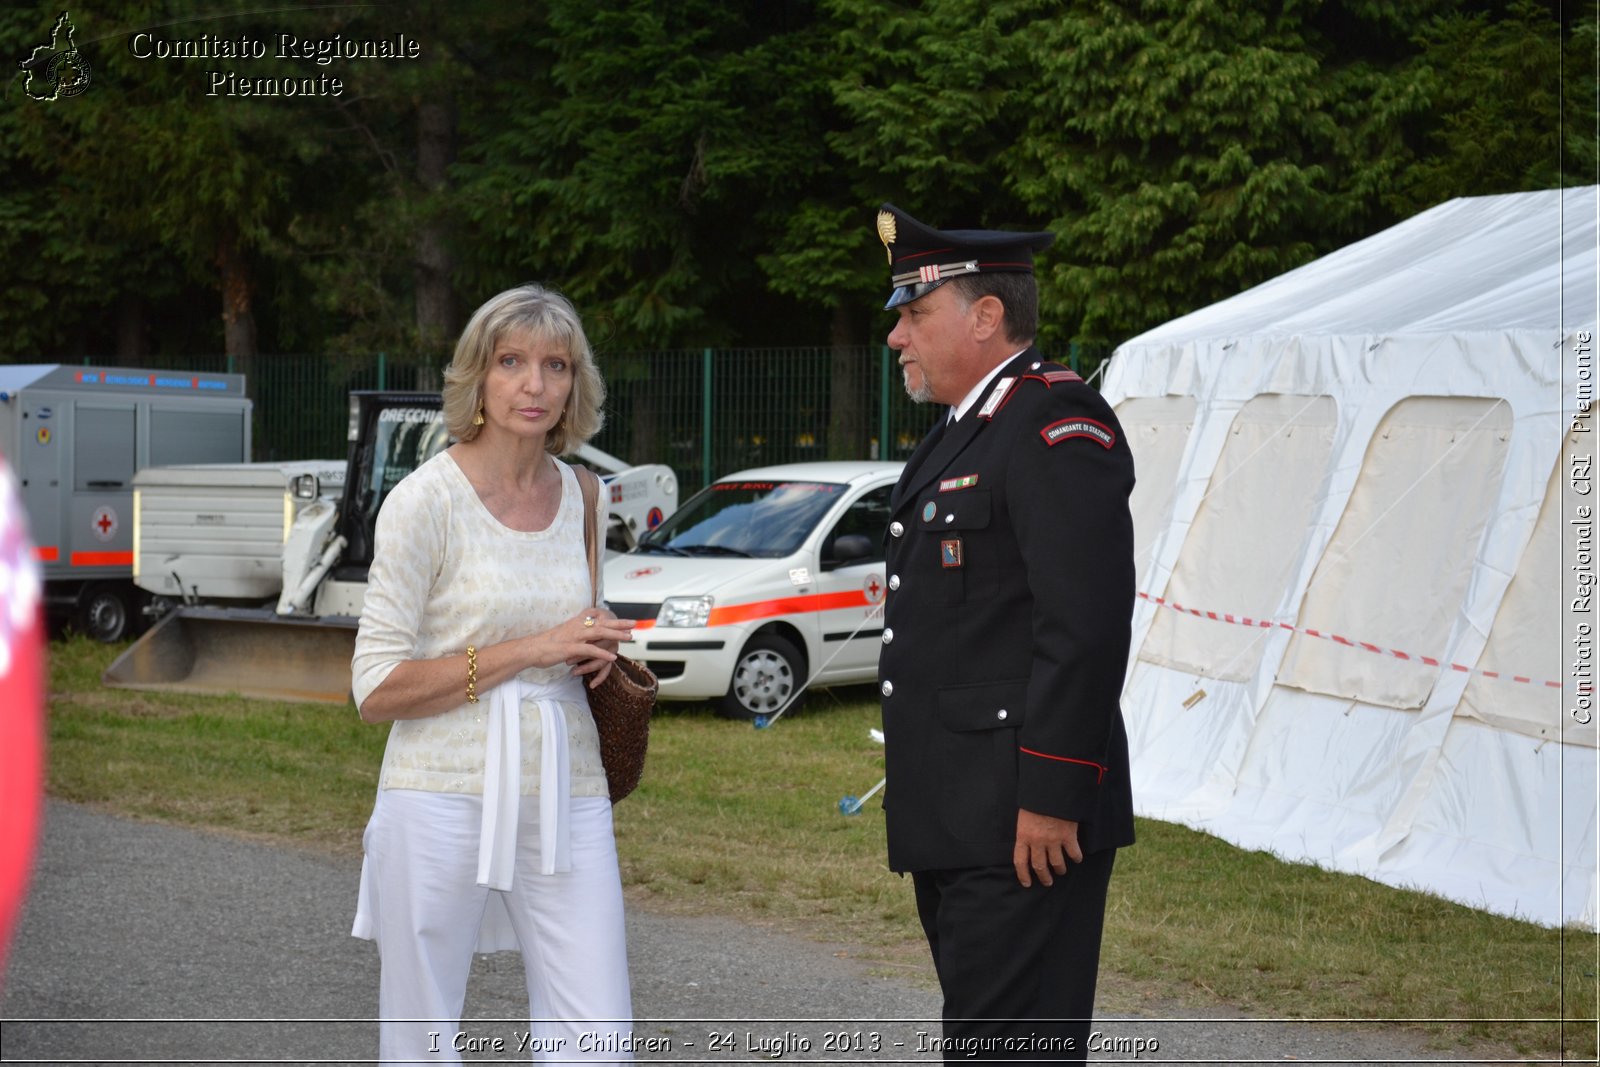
{"x": 1057, "y": 432}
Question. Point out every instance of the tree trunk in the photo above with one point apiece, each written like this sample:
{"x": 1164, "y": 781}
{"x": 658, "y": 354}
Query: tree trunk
{"x": 434, "y": 262}
{"x": 238, "y": 314}
{"x": 133, "y": 336}
{"x": 645, "y": 444}
{"x": 847, "y": 416}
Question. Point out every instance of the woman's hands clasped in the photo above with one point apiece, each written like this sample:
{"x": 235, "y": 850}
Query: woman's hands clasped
{"x": 416, "y": 689}
{"x": 588, "y": 642}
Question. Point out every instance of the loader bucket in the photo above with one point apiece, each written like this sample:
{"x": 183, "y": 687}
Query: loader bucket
{"x": 252, "y": 652}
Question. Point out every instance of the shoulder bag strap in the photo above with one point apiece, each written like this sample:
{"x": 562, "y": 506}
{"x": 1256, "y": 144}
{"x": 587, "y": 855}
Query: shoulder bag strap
{"x": 590, "y": 482}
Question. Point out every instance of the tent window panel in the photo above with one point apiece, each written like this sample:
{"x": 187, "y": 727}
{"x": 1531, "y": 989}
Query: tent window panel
{"x": 1397, "y": 569}
{"x": 1158, "y": 430}
{"x": 1244, "y": 547}
{"x": 1525, "y": 640}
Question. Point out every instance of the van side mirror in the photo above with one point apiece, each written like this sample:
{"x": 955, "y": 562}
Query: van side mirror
{"x": 848, "y": 548}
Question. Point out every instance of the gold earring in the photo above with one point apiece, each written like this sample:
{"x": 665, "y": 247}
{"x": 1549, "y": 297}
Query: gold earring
{"x": 477, "y": 420}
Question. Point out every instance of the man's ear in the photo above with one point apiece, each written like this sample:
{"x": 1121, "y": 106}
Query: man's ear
{"x": 988, "y": 317}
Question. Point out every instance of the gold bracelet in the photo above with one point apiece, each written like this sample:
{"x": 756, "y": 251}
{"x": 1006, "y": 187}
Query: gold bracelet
{"x": 472, "y": 675}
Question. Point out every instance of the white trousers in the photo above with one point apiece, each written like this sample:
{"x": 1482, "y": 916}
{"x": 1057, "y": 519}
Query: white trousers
{"x": 426, "y": 909}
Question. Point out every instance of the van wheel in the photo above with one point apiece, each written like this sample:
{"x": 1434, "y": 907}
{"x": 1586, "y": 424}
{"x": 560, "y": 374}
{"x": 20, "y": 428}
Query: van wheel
{"x": 106, "y": 612}
{"x": 769, "y": 671}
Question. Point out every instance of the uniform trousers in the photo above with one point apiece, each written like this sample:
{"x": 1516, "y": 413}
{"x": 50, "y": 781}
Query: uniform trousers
{"x": 1017, "y": 966}
{"x": 426, "y": 909}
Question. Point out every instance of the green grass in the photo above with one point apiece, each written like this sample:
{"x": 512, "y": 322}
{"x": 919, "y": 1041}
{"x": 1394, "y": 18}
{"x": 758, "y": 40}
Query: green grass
{"x": 745, "y": 823}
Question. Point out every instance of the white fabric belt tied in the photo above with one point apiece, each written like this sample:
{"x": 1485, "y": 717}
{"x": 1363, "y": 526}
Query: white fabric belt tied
{"x": 502, "y": 779}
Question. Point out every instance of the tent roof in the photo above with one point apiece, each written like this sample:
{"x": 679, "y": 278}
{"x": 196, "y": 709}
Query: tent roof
{"x": 1518, "y": 261}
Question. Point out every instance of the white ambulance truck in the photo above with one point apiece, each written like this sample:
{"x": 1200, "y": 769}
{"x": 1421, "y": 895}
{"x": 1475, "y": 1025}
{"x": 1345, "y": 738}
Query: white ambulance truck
{"x": 75, "y": 436}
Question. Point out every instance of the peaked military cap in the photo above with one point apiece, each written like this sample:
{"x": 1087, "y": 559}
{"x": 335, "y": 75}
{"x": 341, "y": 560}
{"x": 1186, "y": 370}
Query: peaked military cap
{"x": 922, "y": 258}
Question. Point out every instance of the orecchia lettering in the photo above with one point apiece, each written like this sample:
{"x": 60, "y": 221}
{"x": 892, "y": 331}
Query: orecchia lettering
{"x": 408, "y": 415}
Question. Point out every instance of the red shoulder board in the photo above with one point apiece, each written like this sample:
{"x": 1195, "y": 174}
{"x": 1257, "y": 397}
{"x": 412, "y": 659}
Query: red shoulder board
{"x": 1050, "y": 374}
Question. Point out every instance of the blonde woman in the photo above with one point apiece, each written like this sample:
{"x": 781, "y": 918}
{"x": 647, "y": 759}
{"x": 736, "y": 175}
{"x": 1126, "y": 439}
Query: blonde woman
{"x": 492, "y": 828}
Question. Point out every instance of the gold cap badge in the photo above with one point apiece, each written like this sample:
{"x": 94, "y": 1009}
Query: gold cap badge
{"x": 886, "y": 233}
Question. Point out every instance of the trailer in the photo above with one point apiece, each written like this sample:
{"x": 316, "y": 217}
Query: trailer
{"x": 216, "y": 531}
{"x": 76, "y": 437}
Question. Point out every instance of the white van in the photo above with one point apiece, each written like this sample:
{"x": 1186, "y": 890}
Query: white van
{"x": 764, "y": 582}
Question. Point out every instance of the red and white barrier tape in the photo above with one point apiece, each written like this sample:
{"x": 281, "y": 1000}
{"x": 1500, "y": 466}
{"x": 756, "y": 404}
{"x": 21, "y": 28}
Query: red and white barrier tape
{"x": 1267, "y": 624}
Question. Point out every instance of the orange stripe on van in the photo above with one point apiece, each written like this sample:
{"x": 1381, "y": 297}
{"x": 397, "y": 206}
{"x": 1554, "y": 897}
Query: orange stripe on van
{"x": 767, "y": 609}
{"x": 102, "y": 559}
{"x": 790, "y": 605}
{"x": 47, "y": 553}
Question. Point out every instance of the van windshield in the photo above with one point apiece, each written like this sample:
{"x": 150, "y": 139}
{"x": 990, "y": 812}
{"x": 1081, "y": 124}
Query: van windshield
{"x": 766, "y": 520}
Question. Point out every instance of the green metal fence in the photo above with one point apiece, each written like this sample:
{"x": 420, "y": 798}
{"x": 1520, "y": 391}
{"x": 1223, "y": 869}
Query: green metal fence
{"x": 704, "y": 412}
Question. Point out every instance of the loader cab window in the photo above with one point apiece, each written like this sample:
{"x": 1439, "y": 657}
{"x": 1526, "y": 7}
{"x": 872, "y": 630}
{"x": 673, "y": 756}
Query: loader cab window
{"x": 393, "y": 443}
{"x": 406, "y": 439}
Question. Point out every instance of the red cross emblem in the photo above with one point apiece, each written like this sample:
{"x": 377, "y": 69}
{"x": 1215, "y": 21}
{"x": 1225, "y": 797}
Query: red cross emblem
{"x": 104, "y": 523}
{"x": 873, "y": 589}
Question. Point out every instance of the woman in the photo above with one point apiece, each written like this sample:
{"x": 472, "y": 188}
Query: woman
{"x": 492, "y": 826}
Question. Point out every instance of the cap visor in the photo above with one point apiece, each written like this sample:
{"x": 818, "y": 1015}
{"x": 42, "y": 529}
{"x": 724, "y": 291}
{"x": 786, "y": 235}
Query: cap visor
{"x": 905, "y": 294}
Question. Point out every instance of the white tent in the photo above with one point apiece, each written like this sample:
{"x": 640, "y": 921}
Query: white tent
{"x": 1358, "y": 537}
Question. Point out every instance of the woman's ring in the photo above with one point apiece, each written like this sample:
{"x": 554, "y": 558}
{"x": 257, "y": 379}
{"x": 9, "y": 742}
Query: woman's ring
{"x": 588, "y": 620}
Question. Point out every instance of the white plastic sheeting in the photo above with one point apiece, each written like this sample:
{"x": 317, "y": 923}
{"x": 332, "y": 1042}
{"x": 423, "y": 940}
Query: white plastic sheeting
{"x": 1348, "y": 647}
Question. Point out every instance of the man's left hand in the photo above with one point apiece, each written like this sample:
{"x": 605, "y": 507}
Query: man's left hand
{"x": 1044, "y": 845}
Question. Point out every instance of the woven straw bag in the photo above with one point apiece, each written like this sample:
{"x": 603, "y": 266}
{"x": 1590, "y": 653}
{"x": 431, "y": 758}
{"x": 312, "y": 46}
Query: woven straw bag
{"x": 622, "y": 704}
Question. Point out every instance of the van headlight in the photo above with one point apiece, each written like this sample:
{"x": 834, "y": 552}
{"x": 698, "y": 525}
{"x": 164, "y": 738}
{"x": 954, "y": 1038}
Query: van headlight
{"x": 306, "y": 487}
{"x": 685, "y": 611}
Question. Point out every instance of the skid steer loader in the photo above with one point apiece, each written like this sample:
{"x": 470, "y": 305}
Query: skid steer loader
{"x": 260, "y": 570}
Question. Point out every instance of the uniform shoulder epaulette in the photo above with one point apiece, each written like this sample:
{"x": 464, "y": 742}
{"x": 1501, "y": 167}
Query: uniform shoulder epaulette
{"x": 1051, "y": 374}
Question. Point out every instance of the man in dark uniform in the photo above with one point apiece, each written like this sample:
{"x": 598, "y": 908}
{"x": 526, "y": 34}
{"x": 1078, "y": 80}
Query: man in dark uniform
{"x": 1011, "y": 587}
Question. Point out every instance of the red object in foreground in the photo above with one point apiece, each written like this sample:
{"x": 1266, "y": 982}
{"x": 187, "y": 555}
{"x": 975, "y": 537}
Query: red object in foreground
{"x": 21, "y": 709}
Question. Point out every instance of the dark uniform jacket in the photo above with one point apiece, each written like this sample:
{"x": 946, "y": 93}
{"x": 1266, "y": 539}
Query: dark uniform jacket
{"x": 1007, "y": 626}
